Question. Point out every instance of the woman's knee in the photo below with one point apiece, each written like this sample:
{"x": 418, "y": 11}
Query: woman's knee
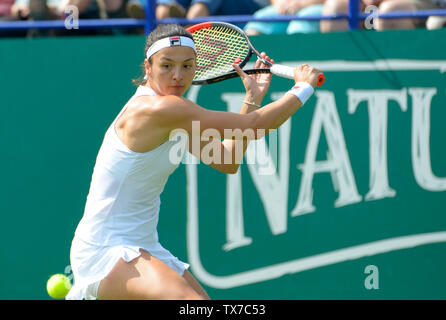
{"x": 186, "y": 295}
{"x": 396, "y": 5}
{"x": 335, "y": 6}
{"x": 332, "y": 7}
{"x": 145, "y": 278}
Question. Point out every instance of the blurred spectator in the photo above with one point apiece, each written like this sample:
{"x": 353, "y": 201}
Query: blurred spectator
{"x": 21, "y": 10}
{"x": 112, "y": 8}
{"x": 300, "y": 8}
{"x": 59, "y": 9}
{"x": 5, "y": 9}
{"x": 36, "y": 10}
{"x": 170, "y": 8}
{"x": 436, "y": 22}
{"x": 52, "y": 9}
{"x": 55, "y": 9}
{"x": 196, "y": 8}
{"x": 5, "y": 15}
{"x": 332, "y": 7}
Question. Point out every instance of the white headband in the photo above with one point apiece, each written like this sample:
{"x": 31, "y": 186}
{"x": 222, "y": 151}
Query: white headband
{"x": 170, "y": 42}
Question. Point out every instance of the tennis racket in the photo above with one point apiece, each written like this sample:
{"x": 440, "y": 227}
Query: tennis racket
{"x": 219, "y": 45}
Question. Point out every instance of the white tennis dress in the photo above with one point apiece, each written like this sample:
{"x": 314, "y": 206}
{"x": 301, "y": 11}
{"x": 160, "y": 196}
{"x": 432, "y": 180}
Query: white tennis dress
{"x": 121, "y": 212}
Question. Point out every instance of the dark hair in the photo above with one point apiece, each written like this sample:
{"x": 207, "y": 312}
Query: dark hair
{"x": 160, "y": 32}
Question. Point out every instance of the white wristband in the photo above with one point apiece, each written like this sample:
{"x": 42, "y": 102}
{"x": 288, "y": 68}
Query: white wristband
{"x": 302, "y": 90}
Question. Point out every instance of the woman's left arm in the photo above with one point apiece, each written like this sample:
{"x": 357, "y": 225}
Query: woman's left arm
{"x": 233, "y": 150}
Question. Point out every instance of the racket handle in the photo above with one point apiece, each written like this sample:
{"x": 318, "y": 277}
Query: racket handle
{"x": 282, "y": 71}
{"x": 288, "y": 72}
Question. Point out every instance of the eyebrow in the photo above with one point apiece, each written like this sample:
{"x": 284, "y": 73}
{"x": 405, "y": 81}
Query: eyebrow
{"x": 163, "y": 58}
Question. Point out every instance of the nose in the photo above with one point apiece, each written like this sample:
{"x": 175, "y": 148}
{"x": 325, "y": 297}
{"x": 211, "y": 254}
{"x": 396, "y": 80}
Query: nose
{"x": 177, "y": 74}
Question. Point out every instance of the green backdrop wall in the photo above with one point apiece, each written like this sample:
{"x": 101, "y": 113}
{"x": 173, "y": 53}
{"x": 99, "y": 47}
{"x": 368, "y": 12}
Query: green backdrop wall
{"x": 345, "y": 201}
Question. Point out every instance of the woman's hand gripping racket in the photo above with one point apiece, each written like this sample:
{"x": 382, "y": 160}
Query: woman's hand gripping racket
{"x": 221, "y": 44}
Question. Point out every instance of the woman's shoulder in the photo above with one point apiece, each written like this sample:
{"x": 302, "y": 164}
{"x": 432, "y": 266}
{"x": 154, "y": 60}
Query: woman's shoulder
{"x": 157, "y": 107}
{"x": 162, "y": 105}
{"x": 156, "y": 101}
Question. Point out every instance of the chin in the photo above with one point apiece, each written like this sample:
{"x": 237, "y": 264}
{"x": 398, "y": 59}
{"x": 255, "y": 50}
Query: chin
{"x": 178, "y": 94}
{"x": 177, "y": 91}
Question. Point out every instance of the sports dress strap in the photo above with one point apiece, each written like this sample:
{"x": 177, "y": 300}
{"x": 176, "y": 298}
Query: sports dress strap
{"x": 140, "y": 91}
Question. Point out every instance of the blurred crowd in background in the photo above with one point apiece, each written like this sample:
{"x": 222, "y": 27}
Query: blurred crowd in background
{"x": 13, "y": 10}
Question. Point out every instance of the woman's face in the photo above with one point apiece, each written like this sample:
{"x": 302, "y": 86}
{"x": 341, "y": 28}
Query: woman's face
{"x": 172, "y": 70}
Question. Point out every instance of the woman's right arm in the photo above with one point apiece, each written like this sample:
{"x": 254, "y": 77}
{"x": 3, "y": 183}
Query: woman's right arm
{"x": 180, "y": 113}
{"x": 269, "y": 117}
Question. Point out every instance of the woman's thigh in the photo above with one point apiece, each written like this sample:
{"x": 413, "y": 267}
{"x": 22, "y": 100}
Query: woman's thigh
{"x": 195, "y": 285}
{"x": 145, "y": 277}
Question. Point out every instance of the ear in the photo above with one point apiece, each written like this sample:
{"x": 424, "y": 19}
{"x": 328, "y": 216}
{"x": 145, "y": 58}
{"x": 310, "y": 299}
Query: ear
{"x": 147, "y": 66}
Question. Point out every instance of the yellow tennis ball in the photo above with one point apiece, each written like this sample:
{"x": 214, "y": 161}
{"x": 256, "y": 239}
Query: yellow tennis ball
{"x": 58, "y": 286}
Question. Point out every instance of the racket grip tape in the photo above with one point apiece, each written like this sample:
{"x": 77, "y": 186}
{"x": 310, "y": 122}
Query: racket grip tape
{"x": 282, "y": 71}
{"x": 288, "y": 72}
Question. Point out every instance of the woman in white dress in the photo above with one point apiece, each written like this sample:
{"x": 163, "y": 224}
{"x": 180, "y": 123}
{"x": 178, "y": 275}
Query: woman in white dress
{"x": 115, "y": 253}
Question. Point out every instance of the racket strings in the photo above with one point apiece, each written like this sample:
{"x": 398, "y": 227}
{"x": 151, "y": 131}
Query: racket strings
{"x": 217, "y": 48}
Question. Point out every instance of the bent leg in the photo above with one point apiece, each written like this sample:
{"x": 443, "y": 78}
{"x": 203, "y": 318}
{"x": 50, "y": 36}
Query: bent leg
{"x": 256, "y": 27}
{"x": 195, "y": 285}
{"x": 396, "y": 5}
{"x": 332, "y": 7}
{"x": 198, "y": 10}
{"x": 302, "y": 26}
{"x": 145, "y": 278}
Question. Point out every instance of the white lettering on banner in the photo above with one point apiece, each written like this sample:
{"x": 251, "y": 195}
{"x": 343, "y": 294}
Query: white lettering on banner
{"x": 377, "y": 101}
{"x": 273, "y": 188}
{"x": 421, "y": 155}
{"x": 271, "y": 184}
{"x": 235, "y": 231}
{"x": 338, "y": 164}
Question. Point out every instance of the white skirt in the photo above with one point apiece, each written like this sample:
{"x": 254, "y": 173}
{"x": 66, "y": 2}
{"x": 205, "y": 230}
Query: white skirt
{"x": 90, "y": 264}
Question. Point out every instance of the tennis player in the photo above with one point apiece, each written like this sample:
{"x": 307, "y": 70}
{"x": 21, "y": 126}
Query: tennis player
{"x": 115, "y": 253}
